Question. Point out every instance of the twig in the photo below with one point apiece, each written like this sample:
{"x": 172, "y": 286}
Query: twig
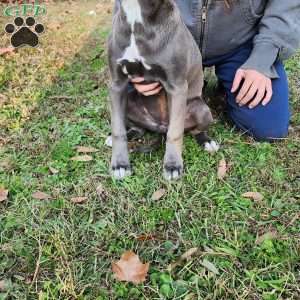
{"x": 37, "y": 266}
{"x": 61, "y": 97}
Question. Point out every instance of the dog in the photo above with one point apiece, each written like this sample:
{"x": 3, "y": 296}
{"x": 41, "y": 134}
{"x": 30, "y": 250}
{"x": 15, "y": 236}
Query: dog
{"x": 149, "y": 39}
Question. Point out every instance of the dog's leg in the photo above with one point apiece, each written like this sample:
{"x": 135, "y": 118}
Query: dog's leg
{"x": 120, "y": 165}
{"x": 173, "y": 163}
{"x": 204, "y": 119}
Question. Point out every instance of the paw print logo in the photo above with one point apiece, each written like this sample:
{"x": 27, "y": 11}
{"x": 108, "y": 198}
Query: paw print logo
{"x": 24, "y": 32}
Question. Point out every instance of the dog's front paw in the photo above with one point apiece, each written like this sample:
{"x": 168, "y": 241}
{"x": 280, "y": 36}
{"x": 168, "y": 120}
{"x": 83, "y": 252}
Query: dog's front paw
{"x": 120, "y": 164}
{"x": 172, "y": 171}
{"x": 120, "y": 171}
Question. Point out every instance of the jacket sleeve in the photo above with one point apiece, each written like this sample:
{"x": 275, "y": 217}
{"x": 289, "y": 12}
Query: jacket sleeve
{"x": 278, "y": 36}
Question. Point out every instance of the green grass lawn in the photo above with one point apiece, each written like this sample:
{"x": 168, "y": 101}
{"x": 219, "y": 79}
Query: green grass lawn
{"x": 53, "y": 99}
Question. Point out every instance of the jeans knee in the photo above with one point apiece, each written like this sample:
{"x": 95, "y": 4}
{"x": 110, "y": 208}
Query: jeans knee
{"x": 261, "y": 129}
{"x": 269, "y": 134}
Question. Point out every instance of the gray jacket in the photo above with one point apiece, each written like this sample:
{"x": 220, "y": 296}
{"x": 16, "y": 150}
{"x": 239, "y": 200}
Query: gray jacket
{"x": 273, "y": 25}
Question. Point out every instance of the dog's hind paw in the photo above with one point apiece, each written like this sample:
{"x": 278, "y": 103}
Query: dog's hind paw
{"x": 204, "y": 141}
{"x": 120, "y": 173}
{"x": 211, "y": 147}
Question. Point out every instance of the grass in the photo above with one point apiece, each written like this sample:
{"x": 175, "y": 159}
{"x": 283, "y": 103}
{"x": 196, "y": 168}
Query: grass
{"x": 53, "y": 99}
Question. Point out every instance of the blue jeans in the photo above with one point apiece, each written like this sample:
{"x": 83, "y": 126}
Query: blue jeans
{"x": 264, "y": 123}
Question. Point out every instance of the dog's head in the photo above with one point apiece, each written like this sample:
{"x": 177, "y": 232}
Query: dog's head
{"x": 148, "y": 8}
{"x": 146, "y": 4}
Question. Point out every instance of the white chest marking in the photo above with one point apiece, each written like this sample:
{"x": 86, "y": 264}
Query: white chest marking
{"x": 133, "y": 13}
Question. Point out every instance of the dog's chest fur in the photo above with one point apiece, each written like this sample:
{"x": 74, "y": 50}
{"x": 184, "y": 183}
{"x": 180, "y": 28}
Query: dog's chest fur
{"x": 132, "y": 62}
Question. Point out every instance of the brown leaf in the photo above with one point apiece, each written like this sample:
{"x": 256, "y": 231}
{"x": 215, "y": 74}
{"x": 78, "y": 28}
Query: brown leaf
{"x": 254, "y": 196}
{"x": 3, "y": 99}
{"x": 146, "y": 237}
{"x": 3, "y": 285}
{"x": 3, "y": 194}
{"x": 101, "y": 192}
{"x": 53, "y": 170}
{"x": 41, "y": 196}
{"x": 83, "y": 149}
{"x": 267, "y": 236}
{"x": 130, "y": 269}
{"x": 209, "y": 266}
{"x": 83, "y": 158}
{"x": 79, "y": 200}
{"x": 6, "y": 50}
{"x": 191, "y": 296}
{"x": 222, "y": 169}
{"x": 28, "y": 280}
{"x": 158, "y": 194}
{"x": 188, "y": 254}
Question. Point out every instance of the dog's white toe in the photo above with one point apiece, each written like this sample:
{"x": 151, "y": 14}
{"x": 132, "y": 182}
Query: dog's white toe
{"x": 171, "y": 175}
{"x": 108, "y": 141}
{"x": 211, "y": 147}
{"x": 121, "y": 173}
{"x": 175, "y": 174}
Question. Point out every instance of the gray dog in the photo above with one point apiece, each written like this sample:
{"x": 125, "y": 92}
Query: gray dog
{"x": 150, "y": 40}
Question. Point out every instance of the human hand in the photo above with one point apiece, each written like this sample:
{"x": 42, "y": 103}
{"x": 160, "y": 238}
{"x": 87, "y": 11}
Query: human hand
{"x": 146, "y": 89}
{"x": 256, "y": 88}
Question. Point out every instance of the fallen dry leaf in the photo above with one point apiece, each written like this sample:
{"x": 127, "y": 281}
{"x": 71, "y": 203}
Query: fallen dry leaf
{"x": 41, "y": 196}
{"x": 83, "y": 149}
{"x": 209, "y": 266}
{"x": 190, "y": 296}
{"x": 53, "y": 170}
{"x": 79, "y": 200}
{"x": 130, "y": 269}
{"x": 3, "y": 194}
{"x": 267, "y": 236}
{"x": 158, "y": 194}
{"x": 19, "y": 277}
{"x": 146, "y": 237}
{"x": 295, "y": 218}
{"x": 101, "y": 192}
{"x": 207, "y": 249}
{"x": 254, "y": 196}
{"x": 188, "y": 254}
{"x": 3, "y": 286}
{"x": 222, "y": 169}
{"x": 83, "y": 158}
{"x": 3, "y": 100}
{"x": 6, "y": 50}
